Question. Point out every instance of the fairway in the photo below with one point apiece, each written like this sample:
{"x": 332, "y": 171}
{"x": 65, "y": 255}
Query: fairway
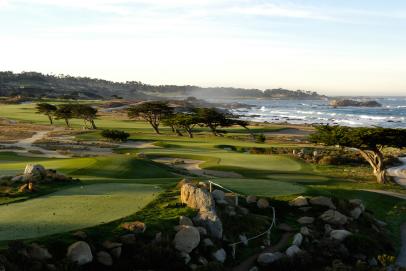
{"x": 265, "y": 188}
{"x": 73, "y": 208}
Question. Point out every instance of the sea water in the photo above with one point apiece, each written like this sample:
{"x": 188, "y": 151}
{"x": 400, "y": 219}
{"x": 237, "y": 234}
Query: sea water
{"x": 392, "y": 114}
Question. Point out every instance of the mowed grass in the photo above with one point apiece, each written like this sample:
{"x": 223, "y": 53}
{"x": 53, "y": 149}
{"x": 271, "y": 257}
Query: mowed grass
{"x": 73, "y": 208}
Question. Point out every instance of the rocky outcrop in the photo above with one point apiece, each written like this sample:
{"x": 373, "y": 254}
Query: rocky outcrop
{"x": 343, "y": 103}
{"x": 187, "y": 239}
{"x": 196, "y": 197}
{"x": 80, "y": 253}
{"x": 211, "y": 221}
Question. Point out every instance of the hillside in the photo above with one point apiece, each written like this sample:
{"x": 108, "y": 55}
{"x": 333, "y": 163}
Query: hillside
{"x": 33, "y": 84}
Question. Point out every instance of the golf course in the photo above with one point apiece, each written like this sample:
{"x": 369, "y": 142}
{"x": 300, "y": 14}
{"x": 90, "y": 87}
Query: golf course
{"x": 127, "y": 177}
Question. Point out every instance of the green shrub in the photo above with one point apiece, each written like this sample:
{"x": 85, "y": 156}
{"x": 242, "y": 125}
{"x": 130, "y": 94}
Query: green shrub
{"x": 115, "y": 135}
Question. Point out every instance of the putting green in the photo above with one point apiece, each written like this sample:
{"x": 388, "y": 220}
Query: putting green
{"x": 73, "y": 208}
{"x": 259, "y": 187}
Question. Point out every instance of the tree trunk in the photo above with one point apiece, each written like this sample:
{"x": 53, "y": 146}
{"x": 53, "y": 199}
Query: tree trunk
{"x": 375, "y": 159}
{"x": 178, "y": 132}
{"x": 93, "y": 124}
{"x": 50, "y": 119}
{"x": 213, "y": 130}
{"x": 155, "y": 127}
{"x": 189, "y": 132}
{"x": 67, "y": 123}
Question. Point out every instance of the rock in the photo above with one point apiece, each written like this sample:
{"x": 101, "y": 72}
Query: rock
{"x": 136, "y": 226}
{"x": 202, "y": 260}
{"x": 297, "y": 239}
{"x": 80, "y": 253}
{"x": 187, "y": 239}
{"x": 299, "y": 202}
{"x": 128, "y": 239}
{"x": 202, "y": 231}
{"x": 207, "y": 242}
{"x": 334, "y": 217}
{"x": 211, "y": 222}
{"x": 110, "y": 245}
{"x": 158, "y": 237}
{"x": 104, "y": 258}
{"x": 220, "y": 255}
{"x": 323, "y": 201}
{"x": 196, "y": 198}
{"x": 293, "y": 250}
{"x": 243, "y": 239}
{"x": 263, "y": 203}
{"x": 305, "y": 231}
{"x": 251, "y": 199}
{"x": 80, "y": 234}
{"x": 356, "y": 212}
{"x": 184, "y": 220}
{"x": 373, "y": 262}
{"x": 186, "y": 257}
{"x": 305, "y": 220}
{"x": 346, "y": 102}
{"x": 116, "y": 252}
{"x": 39, "y": 253}
{"x": 243, "y": 210}
{"x": 339, "y": 235}
{"x": 254, "y": 268}
{"x": 305, "y": 209}
{"x": 268, "y": 258}
{"x": 285, "y": 227}
{"x": 218, "y": 194}
{"x": 327, "y": 229}
{"x": 34, "y": 170}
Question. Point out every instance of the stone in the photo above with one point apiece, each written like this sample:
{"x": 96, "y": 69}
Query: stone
{"x": 305, "y": 220}
{"x": 196, "y": 198}
{"x": 297, "y": 239}
{"x": 80, "y": 234}
{"x": 220, "y": 255}
{"x": 323, "y": 201}
{"x": 339, "y": 235}
{"x": 202, "y": 231}
{"x": 268, "y": 258}
{"x": 243, "y": 210}
{"x": 80, "y": 253}
{"x": 357, "y": 203}
{"x": 218, "y": 194}
{"x": 186, "y": 257}
{"x": 292, "y": 250}
{"x": 334, "y": 217}
{"x": 184, "y": 220}
{"x": 202, "y": 260}
{"x": 211, "y": 222}
{"x": 305, "y": 231}
{"x": 251, "y": 199}
{"x": 39, "y": 253}
{"x": 136, "y": 226}
{"x": 263, "y": 203}
{"x": 207, "y": 242}
{"x": 128, "y": 239}
{"x": 187, "y": 239}
{"x": 356, "y": 212}
{"x": 327, "y": 229}
{"x": 116, "y": 252}
{"x": 110, "y": 245}
{"x": 299, "y": 202}
{"x": 104, "y": 258}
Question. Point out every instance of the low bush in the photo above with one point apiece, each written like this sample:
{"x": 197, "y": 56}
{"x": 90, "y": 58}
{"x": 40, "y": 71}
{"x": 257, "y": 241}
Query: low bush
{"x": 115, "y": 135}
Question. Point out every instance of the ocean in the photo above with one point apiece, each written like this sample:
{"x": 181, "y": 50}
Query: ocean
{"x": 392, "y": 114}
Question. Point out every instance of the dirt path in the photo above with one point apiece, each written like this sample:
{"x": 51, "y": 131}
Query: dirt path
{"x": 193, "y": 166}
{"x": 251, "y": 261}
{"x": 399, "y": 173}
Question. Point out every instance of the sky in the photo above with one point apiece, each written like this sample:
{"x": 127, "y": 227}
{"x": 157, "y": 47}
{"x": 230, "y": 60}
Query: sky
{"x": 335, "y": 47}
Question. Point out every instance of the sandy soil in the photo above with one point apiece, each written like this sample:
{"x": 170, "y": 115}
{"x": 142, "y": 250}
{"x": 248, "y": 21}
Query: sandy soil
{"x": 193, "y": 166}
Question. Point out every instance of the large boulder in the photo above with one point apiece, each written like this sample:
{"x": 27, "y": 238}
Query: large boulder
{"x": 339, "y": 235}
{"x": 334, "y": 217}
{"x": 323, "y": 201}
{"x": 104, "y": 258}
{"x": 211, "y": 221}
{"x": 185, "y": 221}
{"x": 187, "y": 239}
{"x": 34, "y": 172}
{"x": 196, "y": 198}
{"x": 267, "y": 258}
{"x": 299, "y": 202}
{"x": 80, "y": 253}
